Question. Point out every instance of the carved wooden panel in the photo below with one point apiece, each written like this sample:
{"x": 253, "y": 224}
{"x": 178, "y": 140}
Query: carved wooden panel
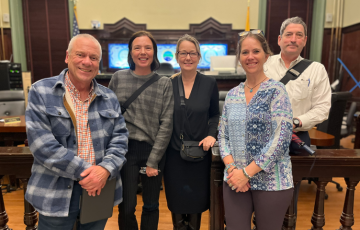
{"x": 350, "y": 55}
{"x": 278, "y": 11}
{"x": 209, "y": 31}
{"x": 326, "y": 48}
{"x": 46, "y": 27}
{"x": 7, "y": 45}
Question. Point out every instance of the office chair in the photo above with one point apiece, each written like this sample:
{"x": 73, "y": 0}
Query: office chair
{"x": 333, "y": 124}
{"x": 12, "y": 103}
{"x": 165, "y": 69}
{"x": 347, "y": 127}
{"x": 222, "y": 96}
{"x": 340, "y": 78}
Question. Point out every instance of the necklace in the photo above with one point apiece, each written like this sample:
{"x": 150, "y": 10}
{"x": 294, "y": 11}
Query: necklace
{"x": 251, "y": 89}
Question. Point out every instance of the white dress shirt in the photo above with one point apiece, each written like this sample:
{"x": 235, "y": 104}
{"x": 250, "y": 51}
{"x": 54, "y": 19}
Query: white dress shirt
{"x": 310, "y": 94}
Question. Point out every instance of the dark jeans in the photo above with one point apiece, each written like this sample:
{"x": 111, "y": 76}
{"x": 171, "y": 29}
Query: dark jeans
{"x": 137, "y": 157}
{"x": 67, "y": 223}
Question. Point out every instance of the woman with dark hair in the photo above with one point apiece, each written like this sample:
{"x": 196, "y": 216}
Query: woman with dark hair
{"x": 149, "y": 121}
{"x": 254, "y": 137}
{"x": 187, "y": 184}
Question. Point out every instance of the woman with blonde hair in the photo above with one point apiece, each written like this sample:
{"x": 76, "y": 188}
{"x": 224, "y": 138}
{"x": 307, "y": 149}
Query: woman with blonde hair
{"x": 187, "y": 183}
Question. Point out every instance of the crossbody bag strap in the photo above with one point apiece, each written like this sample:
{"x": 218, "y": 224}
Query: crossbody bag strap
{"x": 296, "y": 71}
{"x": 182, "y": 106}
{"x": 138, "y": 92}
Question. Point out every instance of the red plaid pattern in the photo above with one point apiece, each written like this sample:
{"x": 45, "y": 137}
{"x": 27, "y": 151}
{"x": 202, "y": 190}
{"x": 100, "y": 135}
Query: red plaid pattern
{"x": 84, "y": 140}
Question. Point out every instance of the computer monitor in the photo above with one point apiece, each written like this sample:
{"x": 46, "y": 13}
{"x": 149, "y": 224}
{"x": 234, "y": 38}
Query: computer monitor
{"x": 118, "y": 54}
{"x": 209, "y": 50}
{"x": 167, "y": 53}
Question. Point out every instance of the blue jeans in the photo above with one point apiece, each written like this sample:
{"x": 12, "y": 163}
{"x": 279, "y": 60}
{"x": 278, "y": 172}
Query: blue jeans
{"x": 67, "y": 223}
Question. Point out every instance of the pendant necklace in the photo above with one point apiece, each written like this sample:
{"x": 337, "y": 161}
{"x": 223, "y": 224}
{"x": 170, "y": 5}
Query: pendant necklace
{"x": 251, "y": 89}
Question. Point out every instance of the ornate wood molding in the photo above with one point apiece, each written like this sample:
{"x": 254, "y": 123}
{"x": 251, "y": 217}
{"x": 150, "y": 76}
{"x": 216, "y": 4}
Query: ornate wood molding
{"x": 209, "y": 31}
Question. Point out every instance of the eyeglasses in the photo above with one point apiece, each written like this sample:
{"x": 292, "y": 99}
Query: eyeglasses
{"x": 185, "y": 54}
{"x": 253, "y": 32}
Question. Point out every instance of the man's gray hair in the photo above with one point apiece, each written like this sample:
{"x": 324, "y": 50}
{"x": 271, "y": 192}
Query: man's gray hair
{"x": 294, "y": 20}
{"x": 88, "y": 36}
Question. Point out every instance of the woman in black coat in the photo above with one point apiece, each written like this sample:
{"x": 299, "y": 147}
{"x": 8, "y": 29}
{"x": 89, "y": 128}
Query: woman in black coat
{"x": 187, "y": 184}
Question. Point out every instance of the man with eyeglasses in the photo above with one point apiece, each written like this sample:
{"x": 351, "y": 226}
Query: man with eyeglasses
{"x": 310, "y": 92}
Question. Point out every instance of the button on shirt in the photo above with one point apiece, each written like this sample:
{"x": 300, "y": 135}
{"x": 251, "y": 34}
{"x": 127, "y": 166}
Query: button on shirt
{"x": 85, "y": 144}
{"x": 310, "y": 94}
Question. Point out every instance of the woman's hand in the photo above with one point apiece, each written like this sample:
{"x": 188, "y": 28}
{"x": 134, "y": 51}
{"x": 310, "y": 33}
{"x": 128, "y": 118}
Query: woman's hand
{"x": 207, "y": 142}
{"x": 151, "y": 171}
{"x": 245, "y": 188}
{"x": 238, "y": 181}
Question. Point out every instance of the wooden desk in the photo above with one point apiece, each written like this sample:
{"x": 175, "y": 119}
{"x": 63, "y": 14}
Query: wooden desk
{"x": 13, "y": 132}
{"x": 329, "y": 163}
{"x": 17, "y": 161}
{"x": 319, "y": 138}
{"x": 224, "y": 81}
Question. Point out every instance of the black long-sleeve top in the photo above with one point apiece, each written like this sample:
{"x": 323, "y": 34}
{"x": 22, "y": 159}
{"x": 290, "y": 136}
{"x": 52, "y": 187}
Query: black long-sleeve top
{"x": 202, "y": 110}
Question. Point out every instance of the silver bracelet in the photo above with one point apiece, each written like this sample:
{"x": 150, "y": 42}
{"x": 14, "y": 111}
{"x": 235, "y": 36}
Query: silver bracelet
{"x": 245, "y": 173}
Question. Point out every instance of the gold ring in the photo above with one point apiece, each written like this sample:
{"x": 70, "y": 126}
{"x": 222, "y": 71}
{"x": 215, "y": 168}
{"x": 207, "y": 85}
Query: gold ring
{"x": 230, "y": 185}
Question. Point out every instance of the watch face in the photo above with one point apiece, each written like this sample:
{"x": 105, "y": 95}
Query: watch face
{"x": 296, "y": 122}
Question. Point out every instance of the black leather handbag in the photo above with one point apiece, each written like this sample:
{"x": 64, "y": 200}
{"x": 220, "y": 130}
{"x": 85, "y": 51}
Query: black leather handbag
{"x": 190, "y": 150}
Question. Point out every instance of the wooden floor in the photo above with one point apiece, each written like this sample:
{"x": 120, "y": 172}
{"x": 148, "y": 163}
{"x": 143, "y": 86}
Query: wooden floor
{"x": 333, "y": 207}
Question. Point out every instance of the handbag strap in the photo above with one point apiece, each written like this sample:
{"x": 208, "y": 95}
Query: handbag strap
{"x": 182, "y": 106}
{"x": 138, "y": 92}
{"x": 296, "y": 71}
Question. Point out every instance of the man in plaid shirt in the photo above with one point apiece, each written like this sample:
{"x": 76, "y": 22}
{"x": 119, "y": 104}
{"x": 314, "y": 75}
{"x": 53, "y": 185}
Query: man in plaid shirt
{"x": 78, "y": 138}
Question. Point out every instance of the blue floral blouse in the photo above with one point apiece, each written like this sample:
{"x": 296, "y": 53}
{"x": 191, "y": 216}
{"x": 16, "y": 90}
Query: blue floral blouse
{"x": 261, "y": 132}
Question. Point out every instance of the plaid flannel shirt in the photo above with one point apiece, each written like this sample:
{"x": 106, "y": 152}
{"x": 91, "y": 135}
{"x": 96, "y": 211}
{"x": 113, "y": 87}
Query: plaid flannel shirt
{"x": 51, "y": 133}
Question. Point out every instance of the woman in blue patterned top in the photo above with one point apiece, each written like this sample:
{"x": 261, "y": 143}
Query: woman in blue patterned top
{"x": 254, "y": 138}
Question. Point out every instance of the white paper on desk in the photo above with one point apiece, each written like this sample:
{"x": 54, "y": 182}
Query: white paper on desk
{"x": 2, "y": 120}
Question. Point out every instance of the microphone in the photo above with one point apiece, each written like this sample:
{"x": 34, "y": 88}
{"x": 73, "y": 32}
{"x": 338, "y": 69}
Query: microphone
{"x": 302, "y": 144}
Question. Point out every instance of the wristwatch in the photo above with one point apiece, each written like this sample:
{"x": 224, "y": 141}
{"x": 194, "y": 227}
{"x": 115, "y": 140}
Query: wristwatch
{"x": 296, "y": 122}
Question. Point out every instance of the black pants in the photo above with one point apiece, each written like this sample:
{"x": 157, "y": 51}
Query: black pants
{"x": 137, "y": 157}
{"x": 270, "y": 208}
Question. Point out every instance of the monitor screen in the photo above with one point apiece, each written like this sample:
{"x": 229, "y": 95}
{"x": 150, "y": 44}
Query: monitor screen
{"x": 166, "y": 53}
{"x": 118, "y": 56}
{"x": 208, "y": 50}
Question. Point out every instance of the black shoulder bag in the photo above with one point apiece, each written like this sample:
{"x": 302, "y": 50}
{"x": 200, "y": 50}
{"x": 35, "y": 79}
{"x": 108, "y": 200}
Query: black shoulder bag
{"x": 190, "y": 150}
{"x": 138, "y": 92}
{"x": 296, "y": 71}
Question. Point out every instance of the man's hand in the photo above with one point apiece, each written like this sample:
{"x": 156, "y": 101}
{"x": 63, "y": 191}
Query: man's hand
{"x": 96, "y": 177}
{"x": 151, "y": 171}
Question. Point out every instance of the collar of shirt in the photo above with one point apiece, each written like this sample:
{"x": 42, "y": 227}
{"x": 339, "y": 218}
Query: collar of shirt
{"x": 73, "y": 91}
{"x": 292, "y": 64}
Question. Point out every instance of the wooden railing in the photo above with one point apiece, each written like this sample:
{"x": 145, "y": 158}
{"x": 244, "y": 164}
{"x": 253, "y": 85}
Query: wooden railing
{"x": 17, "y": 161}
{"x": 329, "y": 163}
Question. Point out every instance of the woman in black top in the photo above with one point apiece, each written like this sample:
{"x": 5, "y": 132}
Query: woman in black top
{"x": 187, "y": 184}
